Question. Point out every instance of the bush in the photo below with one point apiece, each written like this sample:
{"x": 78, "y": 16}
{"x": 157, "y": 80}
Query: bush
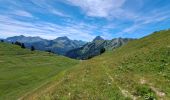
{"x": 49, "y": 51}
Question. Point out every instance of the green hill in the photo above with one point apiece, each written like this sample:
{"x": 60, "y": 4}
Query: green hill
{"x": 139, "y": 70}
{"x": 22, "y": 71}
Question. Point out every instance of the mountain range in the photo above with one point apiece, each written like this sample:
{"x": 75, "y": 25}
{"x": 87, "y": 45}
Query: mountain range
{"x": 96, "y": 47}
{"x": 60, "y": 45}
{"x": 76, "y": 49}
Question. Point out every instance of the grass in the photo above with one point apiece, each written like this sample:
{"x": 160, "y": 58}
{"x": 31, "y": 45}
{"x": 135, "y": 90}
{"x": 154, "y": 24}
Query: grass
{"x": 139, "y": 70}
{"x": 22, "y": 70}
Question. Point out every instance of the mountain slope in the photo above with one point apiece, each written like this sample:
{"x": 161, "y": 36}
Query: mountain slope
{"x": 22, "y": 71}
{"x": 24, "y": 39}
{"x": 137, "y": 71}
{"x": 64, "y": 44}
{"x": 60, "y": 45}
{"x": 95, "y": 47}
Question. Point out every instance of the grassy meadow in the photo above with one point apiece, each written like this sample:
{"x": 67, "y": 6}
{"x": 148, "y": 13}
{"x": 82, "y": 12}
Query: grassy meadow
{"x": 22, "y": 70}
{"x": 139, "y": 70}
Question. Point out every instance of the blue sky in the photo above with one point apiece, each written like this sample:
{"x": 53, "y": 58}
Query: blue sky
{"x": 83, "y": 19}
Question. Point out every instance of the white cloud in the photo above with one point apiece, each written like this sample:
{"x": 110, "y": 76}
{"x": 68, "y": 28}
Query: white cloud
{"x": 58, "y": 13}
{"x": 46, "y": 6}
{"x": 142, "y": 21}
{"x": 98, "y": 8}
{"x": 121, "y": 18}
{"x": 22, "y": 13}
{"x": 13, "y": 27}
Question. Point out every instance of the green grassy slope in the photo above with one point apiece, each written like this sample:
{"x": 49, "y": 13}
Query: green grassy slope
{"x": 22, "y": 71}
{"x": 139, "y": 70}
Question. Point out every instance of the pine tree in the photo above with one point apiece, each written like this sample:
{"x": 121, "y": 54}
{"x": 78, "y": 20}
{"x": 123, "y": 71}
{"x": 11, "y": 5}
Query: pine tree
{"x": 49, "y": 51}
{"x": 23, "y": 46}
{"x": 102, "y": 50}
{"x": 2, "y": 40}
{"x": 32, "y": 48}
{"x": 17, "y": 43}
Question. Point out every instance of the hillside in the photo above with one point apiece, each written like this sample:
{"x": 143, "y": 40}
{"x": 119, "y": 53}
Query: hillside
{"x": 60, "y": 45}
{"x": 22, "y": 71}
{"x": 96, "y": 47}
{"x": 139, "y": 70}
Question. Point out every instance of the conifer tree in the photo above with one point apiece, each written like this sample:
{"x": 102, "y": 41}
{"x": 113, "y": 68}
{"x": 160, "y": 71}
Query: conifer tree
{"x": 23, "y": 45}
{"x": 32, "y": 48}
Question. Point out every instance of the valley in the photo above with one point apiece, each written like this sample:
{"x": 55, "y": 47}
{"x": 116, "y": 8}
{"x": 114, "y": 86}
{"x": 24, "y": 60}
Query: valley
{"x": 84, "y": 50}
{"x": 138, "y": 70}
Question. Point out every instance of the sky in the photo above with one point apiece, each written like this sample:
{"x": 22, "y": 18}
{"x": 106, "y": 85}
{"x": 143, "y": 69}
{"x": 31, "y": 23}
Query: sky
{"x": 83, "y": 19}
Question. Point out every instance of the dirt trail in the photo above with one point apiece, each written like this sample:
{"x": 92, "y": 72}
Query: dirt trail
{"x": 124, "y": 92}
{"x": 157, "y": 91}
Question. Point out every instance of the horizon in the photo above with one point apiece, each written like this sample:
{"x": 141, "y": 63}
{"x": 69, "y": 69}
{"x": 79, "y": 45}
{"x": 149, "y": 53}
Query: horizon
{"x": 83, "y": 20}
{"x": 62, "y": 36}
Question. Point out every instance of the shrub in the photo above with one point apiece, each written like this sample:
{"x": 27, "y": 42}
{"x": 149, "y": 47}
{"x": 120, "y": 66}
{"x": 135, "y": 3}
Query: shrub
{"x": 32, "y": 48}
{"x": 49, "y": 51}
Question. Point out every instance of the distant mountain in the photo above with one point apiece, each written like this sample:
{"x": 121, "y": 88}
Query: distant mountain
{"x": 98, "y": 38}
{"x": 64, "y": 44}
{"x": 24, "y": 39}
{"x": 94, "y": 48}
{"x": 60, "y": 45}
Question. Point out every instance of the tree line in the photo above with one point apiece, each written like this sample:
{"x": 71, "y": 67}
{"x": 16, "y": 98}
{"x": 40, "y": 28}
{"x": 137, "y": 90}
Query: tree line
{"x": 22, "y": 45}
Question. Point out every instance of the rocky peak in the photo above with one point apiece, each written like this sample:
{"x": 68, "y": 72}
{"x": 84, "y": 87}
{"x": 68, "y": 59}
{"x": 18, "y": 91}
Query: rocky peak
{"x": 98, "y": 38}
